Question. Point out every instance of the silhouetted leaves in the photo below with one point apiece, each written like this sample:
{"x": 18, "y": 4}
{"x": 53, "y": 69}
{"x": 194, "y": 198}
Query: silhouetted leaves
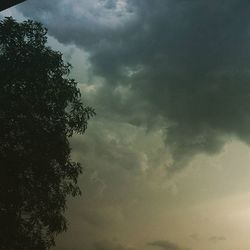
{"x": 39, "y": 109}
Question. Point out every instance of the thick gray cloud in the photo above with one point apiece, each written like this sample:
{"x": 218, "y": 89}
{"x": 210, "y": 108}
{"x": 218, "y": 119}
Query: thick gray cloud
{"x": 174, "y": 66}
{"x": 166, "y": 245}
{"x": 184, "y": 62}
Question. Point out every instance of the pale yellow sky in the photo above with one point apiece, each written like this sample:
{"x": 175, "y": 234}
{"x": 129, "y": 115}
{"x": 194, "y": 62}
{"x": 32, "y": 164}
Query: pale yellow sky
{"x": 206, "y": 206}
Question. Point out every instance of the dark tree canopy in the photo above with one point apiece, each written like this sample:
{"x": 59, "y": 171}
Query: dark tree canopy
{"x": 40, "y": 108}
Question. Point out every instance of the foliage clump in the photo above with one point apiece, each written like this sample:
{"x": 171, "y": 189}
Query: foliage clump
{"x": 40, "y": 108}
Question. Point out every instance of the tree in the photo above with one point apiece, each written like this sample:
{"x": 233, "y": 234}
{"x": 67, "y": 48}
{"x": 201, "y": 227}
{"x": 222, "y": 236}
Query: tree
{"x": 40, "y": 108}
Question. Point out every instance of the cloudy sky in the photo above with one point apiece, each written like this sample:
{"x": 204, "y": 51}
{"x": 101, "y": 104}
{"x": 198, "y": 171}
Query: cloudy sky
{"x": 166, "y": 159}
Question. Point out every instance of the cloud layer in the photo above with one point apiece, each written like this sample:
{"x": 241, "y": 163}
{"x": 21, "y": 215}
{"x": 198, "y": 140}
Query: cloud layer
{"x": 164, "y": 75}
{"x": 166, "y": 245}
{"x": 183, "y": 61}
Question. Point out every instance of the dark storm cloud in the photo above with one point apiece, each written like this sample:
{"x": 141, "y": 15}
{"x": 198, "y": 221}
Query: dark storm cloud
{"x": 184, "y": 61}
{"x": 166, "y": 245}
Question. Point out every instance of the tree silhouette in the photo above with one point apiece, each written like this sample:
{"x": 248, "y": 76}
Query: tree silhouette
{"x": 40, "y": 108}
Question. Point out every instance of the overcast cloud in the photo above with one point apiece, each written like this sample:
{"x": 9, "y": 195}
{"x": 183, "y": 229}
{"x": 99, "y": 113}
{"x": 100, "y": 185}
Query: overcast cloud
{"x": 166, "y": 245}
{"x": 184, "y": 63}
{"x": 170, "y": 83}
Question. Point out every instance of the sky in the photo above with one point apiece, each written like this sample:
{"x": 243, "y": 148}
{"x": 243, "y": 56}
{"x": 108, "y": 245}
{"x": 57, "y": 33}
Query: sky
{"x": 166, "y": 159}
